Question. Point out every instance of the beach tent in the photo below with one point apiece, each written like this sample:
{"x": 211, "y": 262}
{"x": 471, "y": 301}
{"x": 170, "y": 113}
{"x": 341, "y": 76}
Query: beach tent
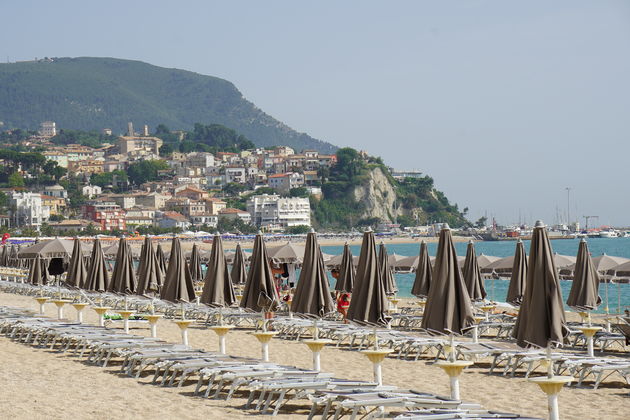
{"x": 424, "y": 271}
{"x": 312, "y": 295}
{"x": 369, "y": 302}
{"x": 149, "y": 272}
{"x": 238, "y": 273}
{"x": 387, "y": 271}
{"x": 518, "y": 279}
{"x": 347, "y": 272}
{"x": 195, "y": 264}
{"x": 97, "y": 279}
{"x": 472, "y": 274}
{"x": 217, "y": 286}
{"x": 260, "y": 290}
{"x": 448, "y": 309}
{"x": 178, "y": 284}
{"x": 541, "y": 320}
{"x": 585, "y": 285}
{"x": 77, "y": 272}
{"x": 123, "y": 277}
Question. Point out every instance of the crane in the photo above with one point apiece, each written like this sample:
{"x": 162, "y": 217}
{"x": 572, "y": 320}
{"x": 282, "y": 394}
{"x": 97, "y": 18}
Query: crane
{"x": 587, "y": 219}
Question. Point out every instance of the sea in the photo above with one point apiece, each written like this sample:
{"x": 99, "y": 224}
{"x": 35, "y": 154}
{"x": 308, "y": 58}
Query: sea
{"x": 614, "y": 296}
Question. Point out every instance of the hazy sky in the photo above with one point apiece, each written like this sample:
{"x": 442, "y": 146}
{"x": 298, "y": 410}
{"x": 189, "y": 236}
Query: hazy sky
{"x": 503, "y": 103}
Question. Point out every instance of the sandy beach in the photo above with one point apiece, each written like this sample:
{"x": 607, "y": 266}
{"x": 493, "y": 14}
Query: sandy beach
{"x": 38, "y": 383}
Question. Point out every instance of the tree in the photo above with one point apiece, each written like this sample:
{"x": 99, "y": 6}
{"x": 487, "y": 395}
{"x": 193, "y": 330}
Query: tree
{"x": 481, "y": 222}
{"x": 299, "y": 192}
{"x": 166, "y": 150}
{"x": 298, "y": 230}
{"x": 145, "y": 170}
{"x": 16, "y": 180}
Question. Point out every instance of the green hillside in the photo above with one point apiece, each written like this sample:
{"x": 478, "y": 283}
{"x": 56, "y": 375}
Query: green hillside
{"x": 93, "y": 93}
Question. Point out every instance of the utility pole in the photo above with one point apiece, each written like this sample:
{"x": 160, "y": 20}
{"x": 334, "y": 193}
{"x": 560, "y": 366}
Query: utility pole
{"x": 568, "y": 207}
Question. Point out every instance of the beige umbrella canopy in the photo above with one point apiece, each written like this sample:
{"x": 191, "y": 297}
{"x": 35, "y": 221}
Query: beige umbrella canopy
{"x": 516, "y": 289}
{"x": 260, "y": 290}
{"x": 112, "y": 251}
{"x": 97, "y": 279}
{"x": 54, "y": 248}
{"x": 472, "y": 275}
{"x": 407, "y": 264}
{"x": 448, "y": 308}
{"x": 287, "y": 253}
{"x": 347, "y": 272}
{"x": 563, "y": 261}
{"x": 585, "y": 285}
{"x": 178, "y": 284}
{"x": 424, "y": 273}
{"x": 217, "y": 286}
{"x": 312, "y": 295}
{"x": 124, "y": 276}
{"x": 541, "y": 320}
{"x": 369, "y": 302}
{"x": 336, "y": 261}
{"x": 485, "y": 260}
{"x": 77, "y": 273}
{"x": 604, "y": 263}
{"x": 502, "y": 265}
{"x": 387, "y": 271}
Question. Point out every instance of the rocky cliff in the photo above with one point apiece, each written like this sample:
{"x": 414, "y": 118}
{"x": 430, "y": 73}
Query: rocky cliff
{"x": 377, "y": 197}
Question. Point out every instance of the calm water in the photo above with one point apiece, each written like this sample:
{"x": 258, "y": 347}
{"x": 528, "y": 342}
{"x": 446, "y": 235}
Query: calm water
{"x": 618, "y": 295}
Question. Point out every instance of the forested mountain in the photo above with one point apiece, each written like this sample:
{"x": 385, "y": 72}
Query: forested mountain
{"x": 92, "y": 93}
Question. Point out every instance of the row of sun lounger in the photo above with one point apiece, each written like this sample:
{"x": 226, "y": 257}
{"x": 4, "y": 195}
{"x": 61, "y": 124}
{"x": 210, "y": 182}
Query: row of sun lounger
{"x": 268, "y": 387}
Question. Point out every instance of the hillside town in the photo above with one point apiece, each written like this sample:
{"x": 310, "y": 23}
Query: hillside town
{"x": 258, "y": 188}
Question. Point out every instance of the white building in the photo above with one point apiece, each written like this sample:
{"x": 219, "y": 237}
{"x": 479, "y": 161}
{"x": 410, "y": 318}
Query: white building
{"x": 56, "y": 191}
{"x": 235, "y": 174}
{"x": 48, "y": 129}
{"x": 91, "y": 191}
{"x": 274, "y": 211}
{"x": 284, "y": 182}
{"x": 27, "y": 209}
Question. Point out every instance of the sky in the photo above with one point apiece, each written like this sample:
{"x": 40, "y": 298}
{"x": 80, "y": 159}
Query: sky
{"x": 505, "y": 104}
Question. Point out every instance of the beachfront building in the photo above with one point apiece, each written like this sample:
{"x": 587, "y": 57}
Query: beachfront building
{"x": 231, "y": 214}
{"x": 27, "y": 209}
{"x": 205, "y": 219}
{"x": 70, "y": 225}
{"x": 274, "y": 211}
{"x": 171, "y": 220}
{"x": 106, "y": 215}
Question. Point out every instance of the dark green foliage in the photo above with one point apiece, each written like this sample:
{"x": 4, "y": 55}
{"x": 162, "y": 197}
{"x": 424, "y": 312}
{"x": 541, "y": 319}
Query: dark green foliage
{"x": 298, "y": 230}
{"x": 107, "y": 178}
{"x": 235, "y": 225}
{"x": 299, "y": 192}
{"x": 93, "y": 93}
{"x": 84, "y": 138}
{"x": 145, "y": 170}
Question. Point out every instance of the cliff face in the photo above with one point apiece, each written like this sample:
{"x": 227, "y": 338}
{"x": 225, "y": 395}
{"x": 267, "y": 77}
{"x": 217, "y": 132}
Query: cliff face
{"x": 378, "y": 197}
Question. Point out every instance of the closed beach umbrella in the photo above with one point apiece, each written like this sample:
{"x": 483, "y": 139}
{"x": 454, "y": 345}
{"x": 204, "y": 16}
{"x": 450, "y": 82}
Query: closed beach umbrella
{"x": 195, "y": 264}
{"x": 448, "y": 308}
{"x": 541, "y": 320}
{"x": 387, "y": 272}
{"x": 347, "y": 273}
{"x": 178, "y": 284}
{"x": 4, "y": 257}
{"x": 260, "y": 290}
{"x": 369, "y": 302}
{"x": 77, "y": 273}
{"x": 472, "y": 275}
{"x": 518, "y": 280}
{"x": 143, "y": 254}
{"x": 217, "y": 286}
{"x": 238, "y": 273}
{"x": 13, "y": 257}
{"x": 149, "y": 274}
{"x": 312, "y": 295}
{"x": 585, "y": 285}
{"x": 38, "y": 275}
{"x": 424, "y": 273}
{"x": 97, "y": 279}
{"x": 159, "y": 253}
{"x": 124, "y": 276}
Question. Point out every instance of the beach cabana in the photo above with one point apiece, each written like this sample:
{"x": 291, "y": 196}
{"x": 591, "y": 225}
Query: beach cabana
{"x": 312, "y": 295}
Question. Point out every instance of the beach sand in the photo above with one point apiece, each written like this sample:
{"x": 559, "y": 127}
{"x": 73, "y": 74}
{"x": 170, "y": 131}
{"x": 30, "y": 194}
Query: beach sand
{"x": 38, "y": 383}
